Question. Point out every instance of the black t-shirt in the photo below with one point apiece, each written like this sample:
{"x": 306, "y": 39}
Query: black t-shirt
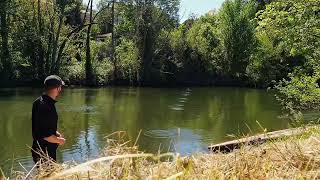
{"x": 44, "y": 118}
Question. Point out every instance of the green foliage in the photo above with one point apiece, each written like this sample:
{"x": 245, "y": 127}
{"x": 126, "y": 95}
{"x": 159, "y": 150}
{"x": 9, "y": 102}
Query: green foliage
{"x": 300, "y": 91}
{"x": 287, "y": 56}
{"x": 267, "y": 65}
{"x": 288, "y": 36}
{"x": 202, "y": 38}
{"x": 102, "y": 71}
{"x": 128, "y": 60}
{"x": 237, "y": 35}
{"x": 291, "y": 25}
{"x": 197, "y": 48}
{"x": 73, "y": 72}
{"x": 178, "y": 42}
{"x": 73, "y": 12}
{"x": 37, "y": 31}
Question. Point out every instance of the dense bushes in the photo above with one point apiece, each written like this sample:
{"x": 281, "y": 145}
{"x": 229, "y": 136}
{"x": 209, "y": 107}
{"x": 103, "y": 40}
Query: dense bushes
{"x": 128, "y": 61}
{"x": 300, "y": 91}
{"x": 195, "y": 48}
{"x": 289, "y": 36}
{"x": 237, "y": 35}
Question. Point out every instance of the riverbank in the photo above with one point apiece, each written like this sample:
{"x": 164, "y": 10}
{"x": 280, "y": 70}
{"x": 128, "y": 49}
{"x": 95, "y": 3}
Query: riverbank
{"x": 173, "y": 84}
{"x": 290, "y": 158}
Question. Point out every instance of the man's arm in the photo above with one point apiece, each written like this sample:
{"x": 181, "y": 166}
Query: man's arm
{"x": 47, "y": 126}
{"x": 55, "y": 139}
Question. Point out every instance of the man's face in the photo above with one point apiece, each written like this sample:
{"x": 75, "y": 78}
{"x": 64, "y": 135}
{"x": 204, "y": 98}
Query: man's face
{"x": 58, "y": 90}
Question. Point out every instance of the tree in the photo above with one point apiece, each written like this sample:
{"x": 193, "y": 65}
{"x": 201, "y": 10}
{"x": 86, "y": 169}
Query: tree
{"x": 237, "y": 35}
{"x": 143, "y": 20}
{"x": 128, "y": 61}
{"x": 197, "y": 49}
{"x": 73, "y": 13}
{"x": 204, "y": 43}
{"x": 288, "y": 38}
{"x": 154, "y": 15}
{"x": 40, "y": 35}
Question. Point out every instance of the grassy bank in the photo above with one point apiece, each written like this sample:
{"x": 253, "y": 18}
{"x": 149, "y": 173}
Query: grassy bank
{"x": 291, "y": 158}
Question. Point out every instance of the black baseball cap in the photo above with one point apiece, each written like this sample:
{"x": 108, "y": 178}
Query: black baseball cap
{"x": 53, "y": 81}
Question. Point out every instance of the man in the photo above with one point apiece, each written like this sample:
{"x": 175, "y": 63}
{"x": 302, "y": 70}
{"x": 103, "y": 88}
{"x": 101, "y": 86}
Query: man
{"x": 46, "y": 138}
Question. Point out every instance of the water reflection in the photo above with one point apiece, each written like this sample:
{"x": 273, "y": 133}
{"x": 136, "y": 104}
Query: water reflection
{"x": 184, "y": 141}
{"x": 185, "y": 120}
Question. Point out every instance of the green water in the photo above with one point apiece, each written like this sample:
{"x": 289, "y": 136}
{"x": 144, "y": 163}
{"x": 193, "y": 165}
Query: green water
{"x": 183, "y": 120}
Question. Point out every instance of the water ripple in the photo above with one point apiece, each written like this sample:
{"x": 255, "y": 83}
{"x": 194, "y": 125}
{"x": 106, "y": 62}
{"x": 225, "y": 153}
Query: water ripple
{"x": 176, "y": 108}
{"x": 179, "y": 106}
{"x": 87, "y": 109}
{"x": 161, "y": 134}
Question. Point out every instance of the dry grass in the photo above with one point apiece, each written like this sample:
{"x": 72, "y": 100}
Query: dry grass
{"x": 291, "y": 158}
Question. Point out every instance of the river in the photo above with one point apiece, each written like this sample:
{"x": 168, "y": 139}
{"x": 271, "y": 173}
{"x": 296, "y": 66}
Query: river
{"x": 184, "y": 120}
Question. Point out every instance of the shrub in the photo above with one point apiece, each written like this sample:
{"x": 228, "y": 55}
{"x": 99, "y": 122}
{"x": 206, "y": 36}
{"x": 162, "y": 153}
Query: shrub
{"x": 102, "y": 71}
{"x": 300, "y": 92}
{"x": 73, "y": 72}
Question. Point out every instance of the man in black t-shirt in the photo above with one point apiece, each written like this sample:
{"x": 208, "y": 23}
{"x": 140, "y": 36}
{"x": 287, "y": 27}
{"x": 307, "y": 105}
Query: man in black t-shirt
{"x": 46, "y": 138}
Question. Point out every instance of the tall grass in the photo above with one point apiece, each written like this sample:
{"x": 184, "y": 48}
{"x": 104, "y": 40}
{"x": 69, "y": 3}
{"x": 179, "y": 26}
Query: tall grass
{"x": 291, "y": 158}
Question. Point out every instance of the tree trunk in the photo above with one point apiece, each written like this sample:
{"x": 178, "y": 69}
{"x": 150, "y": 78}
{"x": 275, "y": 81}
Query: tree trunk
{"x": 146, "y": 41}
{"x": 88, "y": 66}
{"x": 55, "y": 47}
{"x": 5, "y": 54}
{"x": 54, "y": 57}
{"x": 113, "y": 58}
{"x": 41, "y": 61}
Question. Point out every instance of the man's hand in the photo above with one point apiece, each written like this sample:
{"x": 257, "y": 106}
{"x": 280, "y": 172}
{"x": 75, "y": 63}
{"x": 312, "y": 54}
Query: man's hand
{"x": 59, "y": 134}
{"x": 61, "y": 140}
{"x": 56, "y": 140}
